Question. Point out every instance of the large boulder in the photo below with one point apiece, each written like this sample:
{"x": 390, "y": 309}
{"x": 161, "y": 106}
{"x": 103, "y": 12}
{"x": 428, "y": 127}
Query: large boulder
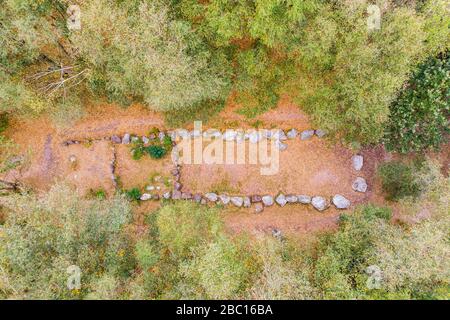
{"x": 229, "y": 135}
{"x": 341, "y": 202}
{"x": 211, "y": 196}
{"x": 126, "y": 138}
{"x": 357, "y": 162}
{"x": 247, "y": 202}
{"x": 320, "y": 133}
{"x": 197, "y": 197}
{"x": 279, "y": 135}
{"x": 254, "y": 137}
{"x": 281, "y": 200}
{"x": 319, "y": 203}
{"x": 359, "y": 184}
{"x": 176, "y": 195}
{"x": 280, "y": 145}
{"x": 259, "y": 207}
{"x": 116, "y": 139}
{"x": 237, "y": 201}
{"x": 290, "y": 198}
{"x": 304, "y": 199}
{"x": 255, "y": 198}
{"x": 145, "y": 140}
{"x": 305, "y": 135}
{"x": 224, "y": 199}
{"x": 145, "y": 197}
{"x": 292, "y": 134}
{"x": 177, "y": 186}
{"x": 267, "y": 200}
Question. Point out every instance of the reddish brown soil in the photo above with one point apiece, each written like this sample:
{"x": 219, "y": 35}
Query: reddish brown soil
{"x": 310, "y": 167}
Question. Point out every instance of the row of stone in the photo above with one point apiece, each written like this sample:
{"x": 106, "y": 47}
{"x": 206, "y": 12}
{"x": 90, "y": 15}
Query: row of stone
{"x": 318, "y": 202}
{"x": 252, "y": 136}
{"x": 359, "y": 184}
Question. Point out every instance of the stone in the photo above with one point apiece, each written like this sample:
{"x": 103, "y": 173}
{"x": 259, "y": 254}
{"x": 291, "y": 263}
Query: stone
{"x": 305, "y": 135}
{"x": 357, "y": 162}
{"x": 341, "y": 202}
{"x": 134, "y": 139}
{"x": 225, "y": 199}
{"x": 277, "y": 234}
{"x": 161, "y": 135}
{"x": 174, "y": 172}
{"x": 176, "y": 195}
{"x": 72, "y": 159}
{"x": 247, "y": 202}
{"x": 292, "y": 134}
{"x": 320, "y": 133}
{"x": 254, "y": 137}
{"x": 196, "y": 133}
{"x": 237, "y": 201}
{"x": 319, "y": 203}
{"x": 197, "y": 197}
{"x": 203, "y": 201}
{"x": 281, "y": 200}
{"x": 211, "y": 196}
{"x": 267, "y": 134}
{"x": 212, "y": 133}
{"x": 183, "y": 133}
{"x": 290, "y": 198}
{"x": 150, "y": 188}
{"x": 116, "y": 139}
{"x": 152, "y": 136}
{"x": 145, "y": 197}
{"x": 166, "y": 195}
{"x": 172, "y": 135}
{"x": 304, "y": 199}
{"x": 359, "y": 185}
{"x": 259, "y": 207}
{"x": 177, "y": 186}
{"x": 267, "y": 200}
{"x": 229, "y": 135}
{"x": 145, "y": 140}
{"x": 279, "y": 135}
{"x": 240, "y": 137}
{"x": 255, "y": 198}
{"x": 186, "y": 195}
{"x": 280, "y": 145}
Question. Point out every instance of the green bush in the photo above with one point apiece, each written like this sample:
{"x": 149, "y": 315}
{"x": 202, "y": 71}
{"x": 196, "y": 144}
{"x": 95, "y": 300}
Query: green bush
{"x": 419, "y": 116}
{"x": 156, "y": 151}
{"x": 133, "y": 194}
{"x": 398, "y": 180}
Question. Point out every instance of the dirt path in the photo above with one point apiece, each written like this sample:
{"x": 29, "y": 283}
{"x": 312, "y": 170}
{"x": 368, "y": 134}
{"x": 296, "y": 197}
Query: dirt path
{"x": 312, "y": 167}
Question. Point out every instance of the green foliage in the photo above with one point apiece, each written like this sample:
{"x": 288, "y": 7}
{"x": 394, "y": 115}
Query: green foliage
{"x": 155, "y": 151}
{"x": 133, "y": 194}
{"x": 419, "y": 116}
{"x": 398, "y": 180}
{"x": 137, "y": 52}
{"x": 344, "y": 256}
{"x": 4, "y": 121}
{"x": 42, "y": 237}
{"x": 184, "y": 226}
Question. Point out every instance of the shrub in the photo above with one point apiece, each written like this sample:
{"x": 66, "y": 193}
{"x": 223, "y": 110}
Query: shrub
{"x": 398, "y": 180}
{"x": 43, "y": 236}
{"x": 133, "y": 194}
{"x": 419, "y": 116}
{"x": 156, "y": 151}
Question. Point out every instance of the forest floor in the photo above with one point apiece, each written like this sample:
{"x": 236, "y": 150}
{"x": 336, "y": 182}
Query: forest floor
{"x": 313, "y": 167}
